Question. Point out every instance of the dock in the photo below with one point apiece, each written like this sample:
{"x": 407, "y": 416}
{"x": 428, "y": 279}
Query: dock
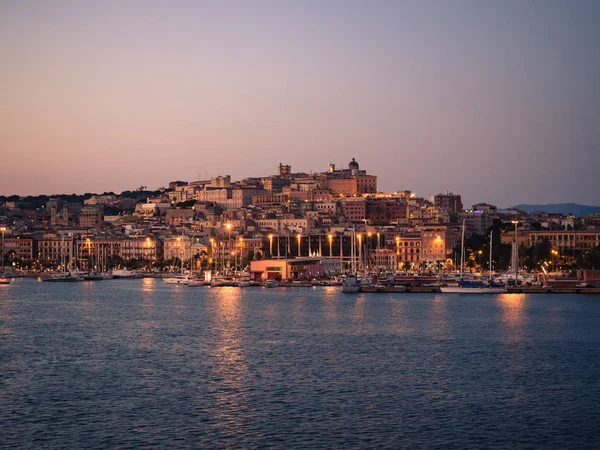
{"x": 551, "y": 290}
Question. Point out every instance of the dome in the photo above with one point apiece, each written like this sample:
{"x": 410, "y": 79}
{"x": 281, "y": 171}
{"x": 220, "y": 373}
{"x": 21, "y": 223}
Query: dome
{"x": 353, "y": 165}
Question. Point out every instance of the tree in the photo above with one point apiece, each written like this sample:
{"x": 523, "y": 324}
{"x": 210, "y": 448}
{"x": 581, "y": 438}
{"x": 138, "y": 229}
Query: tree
{"x": 188, "y": 204}
{"x": 589, "y": 259}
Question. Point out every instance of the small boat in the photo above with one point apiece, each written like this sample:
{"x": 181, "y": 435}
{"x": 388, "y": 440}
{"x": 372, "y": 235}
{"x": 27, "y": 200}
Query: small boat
{"x": 177, "y": 280}
{"x": 4, "y": 280}
{"x": 63, "y": 278}
{"x": 244, "y": 284}
{"x": 123, "y": 273}
{"x": 93, "y": 277}
{"x": 271, "y": 283}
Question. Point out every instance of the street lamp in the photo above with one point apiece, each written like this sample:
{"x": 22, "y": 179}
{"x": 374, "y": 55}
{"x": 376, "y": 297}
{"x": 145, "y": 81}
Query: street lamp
{"x": 360, "y": 261}
{"x": 554, "y": 253}
{"x": 2, "y": 229}
{"x": 299, "y": 237}
{"x": 398, "y": 253}
{"x": 241, "y": 251}
{"x": 368, "y": 253}
{"x": 330, "y": 245}
{"x": 516, "y": 252}
{"x": 377, "y": 255}
{"x": 271, "y": 246}
{"x": 229, "y": 246}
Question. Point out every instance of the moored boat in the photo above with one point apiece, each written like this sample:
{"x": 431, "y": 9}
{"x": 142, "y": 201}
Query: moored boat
{"x": 177, "y": 279}
{"x": 351, "y": 284}
{"x": 474, "y": 286}
{"x": 472, "y": 290}
{"x": 63, "y": 278}
{"x": 123, "y": 273}
{"x": 271, "y": 283}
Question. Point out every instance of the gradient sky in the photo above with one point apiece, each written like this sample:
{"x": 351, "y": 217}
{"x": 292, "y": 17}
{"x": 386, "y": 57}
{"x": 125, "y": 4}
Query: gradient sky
{"x": 496, "y": 100}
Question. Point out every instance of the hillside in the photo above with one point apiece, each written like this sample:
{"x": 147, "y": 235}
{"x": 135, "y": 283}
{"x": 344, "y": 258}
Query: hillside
{"x": 561, "y": 208}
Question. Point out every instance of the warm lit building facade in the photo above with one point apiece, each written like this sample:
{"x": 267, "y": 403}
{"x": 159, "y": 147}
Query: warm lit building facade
{"x": 408, "y": 248}
{"x": 18, "y": 248}
{"x": 435, "y": 243}
{"x": 565, "y": 240}
{"x": 286, "y": 269}
{"x": 100, "y": 250}
{"x": 52, "y": 249}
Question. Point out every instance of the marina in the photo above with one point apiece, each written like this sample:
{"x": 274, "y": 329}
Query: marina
{"x": 401, "y": 286}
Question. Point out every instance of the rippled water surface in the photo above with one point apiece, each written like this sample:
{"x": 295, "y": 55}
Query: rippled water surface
{"x": 129, "y": 363}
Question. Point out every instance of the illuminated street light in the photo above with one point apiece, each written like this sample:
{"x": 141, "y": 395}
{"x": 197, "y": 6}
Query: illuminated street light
{"x": 516, "y": 250}
{"x": 2, "y": 229}
{"x": 229, "y": 246}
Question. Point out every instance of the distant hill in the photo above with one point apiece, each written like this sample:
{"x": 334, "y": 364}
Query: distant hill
{"x": 561, "y": 208}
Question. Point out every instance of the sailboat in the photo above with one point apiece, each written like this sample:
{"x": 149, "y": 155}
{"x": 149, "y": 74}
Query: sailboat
{"x": 178, "y": 279}
{"x": 351, "y": 283}
{"x": 64, "y": 276}
{"x": 476, "y": 286}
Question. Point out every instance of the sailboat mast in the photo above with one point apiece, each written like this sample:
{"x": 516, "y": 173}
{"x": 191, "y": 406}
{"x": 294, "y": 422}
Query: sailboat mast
{"x": 353, "y": 251}
{"x": 491, "y": 234}
{"x": 462, "y": 249}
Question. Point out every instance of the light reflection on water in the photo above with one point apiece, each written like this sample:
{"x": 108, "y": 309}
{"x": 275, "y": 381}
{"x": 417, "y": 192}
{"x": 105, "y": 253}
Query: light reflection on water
{"x": 513, "y": 316}
{"x": 358, "y": 314}
{"x": 329, "y": 303}
{"x": 439, "y": 317}
{"x": 229, "y": 368}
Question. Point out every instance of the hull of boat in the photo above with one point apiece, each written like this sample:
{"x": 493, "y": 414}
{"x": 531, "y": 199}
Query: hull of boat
{"x": 123, "y": 274}
{"x": 93, "y": 278}
{"x": 62, "y": 280}
{"x": 176, "y": 280}
{"x": 471, "y": 290}
{"x": 350, "y": 289}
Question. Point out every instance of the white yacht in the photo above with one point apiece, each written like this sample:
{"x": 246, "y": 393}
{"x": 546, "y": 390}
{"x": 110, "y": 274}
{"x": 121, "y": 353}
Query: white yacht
{"x": 178, "y": 279}
{"x": 123, "y": 273}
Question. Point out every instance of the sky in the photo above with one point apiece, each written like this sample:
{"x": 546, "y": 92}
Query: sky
{"x": 498, "y": 101}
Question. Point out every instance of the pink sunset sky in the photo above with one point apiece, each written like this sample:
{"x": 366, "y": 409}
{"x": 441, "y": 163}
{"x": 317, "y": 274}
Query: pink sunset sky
{"x": 498, "y": 101}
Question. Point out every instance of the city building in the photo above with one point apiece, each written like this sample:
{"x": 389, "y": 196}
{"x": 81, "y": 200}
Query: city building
{"x": 90, "y": 216}
{"x": 286, "y": 269}
{"x": 449, "y": 201}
